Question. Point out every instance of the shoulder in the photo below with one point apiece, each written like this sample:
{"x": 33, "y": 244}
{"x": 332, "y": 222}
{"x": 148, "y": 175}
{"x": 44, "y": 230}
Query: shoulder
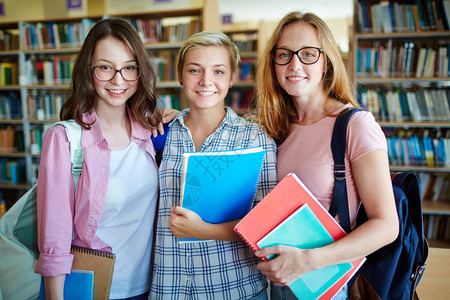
{"x": 364, "y": 135}
{"x": 363, "y": 120}
{"x": 56, "y": 131}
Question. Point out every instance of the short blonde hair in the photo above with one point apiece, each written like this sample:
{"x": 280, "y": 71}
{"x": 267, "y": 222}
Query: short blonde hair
{"x": 208, "y": 38}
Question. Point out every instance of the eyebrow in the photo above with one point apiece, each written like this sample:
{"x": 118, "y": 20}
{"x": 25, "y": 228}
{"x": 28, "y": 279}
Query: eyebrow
{"x": 198, "y": 65}
{"x": 105, "y": 60}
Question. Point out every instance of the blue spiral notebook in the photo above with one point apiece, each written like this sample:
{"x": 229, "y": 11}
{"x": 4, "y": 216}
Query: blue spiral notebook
{"x": 220, "y": 185}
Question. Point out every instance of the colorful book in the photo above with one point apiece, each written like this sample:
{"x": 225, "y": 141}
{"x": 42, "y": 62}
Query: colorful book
{"x": 304, "y": 230}
{"x": 220, "y": 185}
{"x": 79, "y": 284}
{"x": 279, "y": 208}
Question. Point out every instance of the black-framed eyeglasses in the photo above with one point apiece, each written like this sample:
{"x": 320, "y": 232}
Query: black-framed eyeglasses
{"x": 307, "y": 55}
{"x": 107, "y": 73}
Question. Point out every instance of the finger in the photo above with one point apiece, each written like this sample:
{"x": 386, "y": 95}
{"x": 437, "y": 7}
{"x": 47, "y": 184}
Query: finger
{"x": 169, "y": 115}
{"x": 161, "y": 128}
{"x": 178, "y": 210}
{"x": 267, "y": 251}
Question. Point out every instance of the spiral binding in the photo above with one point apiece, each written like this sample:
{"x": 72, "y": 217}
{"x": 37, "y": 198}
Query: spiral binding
{"x": 250, "y": 245}
{"x": 93, "y": 252}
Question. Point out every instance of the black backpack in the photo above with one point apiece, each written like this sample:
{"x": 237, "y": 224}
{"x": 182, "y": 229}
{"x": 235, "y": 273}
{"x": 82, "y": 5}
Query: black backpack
{"x": 393, "y": 271}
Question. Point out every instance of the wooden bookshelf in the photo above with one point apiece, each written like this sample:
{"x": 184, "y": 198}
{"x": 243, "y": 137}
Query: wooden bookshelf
{"x": 33, "y": 95}
{"x": 400, "y": 67}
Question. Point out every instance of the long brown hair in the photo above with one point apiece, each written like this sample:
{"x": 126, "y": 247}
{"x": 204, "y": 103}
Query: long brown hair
{"x": 276, "y": 108}
{"x": 143, "y": 103}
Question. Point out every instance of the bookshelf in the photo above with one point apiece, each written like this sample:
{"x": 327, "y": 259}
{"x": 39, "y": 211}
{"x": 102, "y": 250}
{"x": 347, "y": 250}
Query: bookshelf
{"x": 250, "y": 38}
{"x": 400, "y": 65}
{"x": 40, "y": 53}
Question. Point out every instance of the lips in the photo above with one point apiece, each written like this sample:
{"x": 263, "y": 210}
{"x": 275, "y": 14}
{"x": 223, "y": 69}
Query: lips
{"x": 117, "y": 92}
{"x": 295, "y": 78}
{"x": 206, "y": 93}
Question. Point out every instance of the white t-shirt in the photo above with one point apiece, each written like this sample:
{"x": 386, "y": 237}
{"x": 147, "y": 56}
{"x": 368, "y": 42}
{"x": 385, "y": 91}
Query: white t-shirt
{"x": 127, "y": 219}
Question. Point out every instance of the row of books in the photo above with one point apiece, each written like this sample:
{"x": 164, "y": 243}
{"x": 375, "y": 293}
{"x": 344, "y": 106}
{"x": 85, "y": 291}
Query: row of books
{"x": 239, "y": 99}
{"x": 8, "y": 73}
{"x": 245, "y": 42}
{"x": 170, "y": 101}
{"x": 246, "y": 45}
{"x": 434, "y": 186}
{"x": 164, "y": 65}
{"x": 405, "y": 59}
{"x": 11, "y": 139}
{"x": 9, "y": 39}
{"x": 51, "y": 70}
{"x": 55, "y": 35}
{"x": 45, "y": 106}
{"x": 425, "y": 148}
{"x": 7, "y": 140}
{"x": 10, "y": 106}
{"x": 436, "y": 226}
{"x": 399, "y": 105}
{"x": 12, "y": 171}
{"x": 167, "y": 30}
{"x": 247, "y": 69}
{"x": 402, "y": 16}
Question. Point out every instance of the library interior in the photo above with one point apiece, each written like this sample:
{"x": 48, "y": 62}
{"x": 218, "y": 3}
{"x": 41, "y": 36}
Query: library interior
{"x": 397, "y": 53}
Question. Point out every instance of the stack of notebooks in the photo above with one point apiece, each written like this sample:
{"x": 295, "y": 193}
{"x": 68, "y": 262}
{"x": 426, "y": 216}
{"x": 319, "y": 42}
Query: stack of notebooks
{"x": 90, "y": 277}
{"x": 291, "y": 215}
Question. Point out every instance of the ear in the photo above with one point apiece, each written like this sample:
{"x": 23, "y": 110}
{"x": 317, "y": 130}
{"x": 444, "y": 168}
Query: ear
{"x": 232, "y": 79}
{"x": 179, "y": 78}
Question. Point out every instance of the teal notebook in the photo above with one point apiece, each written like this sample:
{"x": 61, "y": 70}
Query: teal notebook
{"x": 79, "y": 284}
{"x": 220, "y": 186}
{"x": 302, "y": 229}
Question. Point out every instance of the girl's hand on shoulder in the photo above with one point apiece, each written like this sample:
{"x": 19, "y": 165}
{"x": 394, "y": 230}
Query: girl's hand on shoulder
{"x": 185, "y": 223}
{"x": 289, "y": 265}
{"x": 250, "y": 118}
{"x": 168, "y": 114}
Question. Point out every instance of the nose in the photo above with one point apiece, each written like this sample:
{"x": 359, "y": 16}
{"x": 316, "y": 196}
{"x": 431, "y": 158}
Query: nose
{"x": 118, "y": 78}
{"x": 296, "y": 63}
{"x": 205, "y": 79}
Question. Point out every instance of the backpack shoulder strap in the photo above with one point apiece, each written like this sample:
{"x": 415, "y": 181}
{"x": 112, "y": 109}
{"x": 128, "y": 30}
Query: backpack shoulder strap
{"x": 74, "y": 132}
{"x": 339, "y": 202}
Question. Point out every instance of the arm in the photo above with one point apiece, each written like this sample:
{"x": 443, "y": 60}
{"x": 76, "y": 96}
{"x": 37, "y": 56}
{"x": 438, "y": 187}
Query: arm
{"x": 54, "y": 287}
{"x": 185, "y": 223}
{"x": 55, "y": 202}
{"x": 372, "y": 178}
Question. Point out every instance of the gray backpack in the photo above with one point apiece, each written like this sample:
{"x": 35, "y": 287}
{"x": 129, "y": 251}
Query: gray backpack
{"x": 18, "y": 232}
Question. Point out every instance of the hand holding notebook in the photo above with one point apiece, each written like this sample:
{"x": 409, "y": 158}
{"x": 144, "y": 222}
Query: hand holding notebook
{"x": 290, "y": 215}
{"x": 219, "y": 186}
{"x": 91, "y": 275}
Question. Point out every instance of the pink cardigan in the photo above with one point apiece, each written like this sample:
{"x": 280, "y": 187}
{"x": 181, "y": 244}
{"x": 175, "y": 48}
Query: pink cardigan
{"x": 62, "y": 212}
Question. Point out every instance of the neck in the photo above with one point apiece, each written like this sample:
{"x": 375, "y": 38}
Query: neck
{"x": 116, "y": 127}
{"x": 111, "y": 117}
{"x": 203, "y": 123}
{"x": 309, "y": 109}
